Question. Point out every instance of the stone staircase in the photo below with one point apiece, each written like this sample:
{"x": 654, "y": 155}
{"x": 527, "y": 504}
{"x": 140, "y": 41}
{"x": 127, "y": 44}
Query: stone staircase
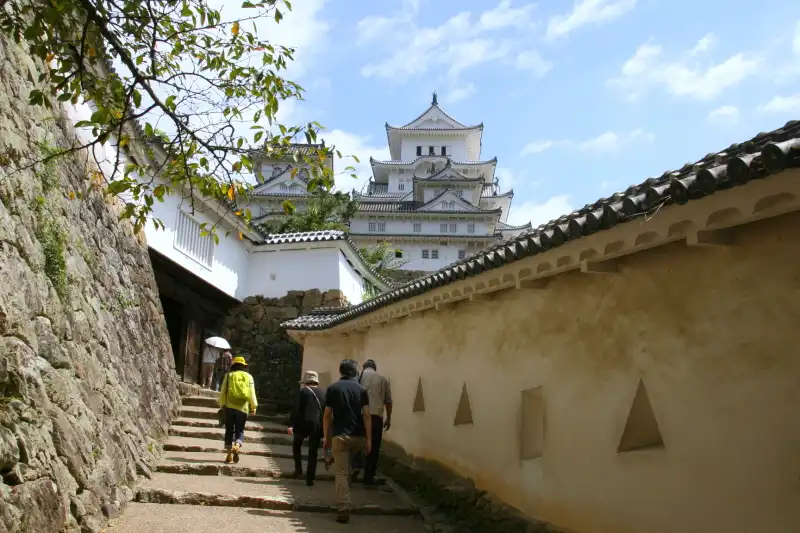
{"x": 193, "y": 491}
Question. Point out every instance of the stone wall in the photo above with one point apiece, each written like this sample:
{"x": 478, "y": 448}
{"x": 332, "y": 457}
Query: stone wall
{"x": 275, "y": 360}
{"x": 87, "y": 379}
{"x": 452, "y": 503}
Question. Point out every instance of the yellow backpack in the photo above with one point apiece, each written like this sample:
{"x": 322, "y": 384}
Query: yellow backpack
{"x": 239, "y": 386}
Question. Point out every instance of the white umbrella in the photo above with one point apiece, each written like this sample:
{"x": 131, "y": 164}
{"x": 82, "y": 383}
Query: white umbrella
{"x": 218, "y": 342}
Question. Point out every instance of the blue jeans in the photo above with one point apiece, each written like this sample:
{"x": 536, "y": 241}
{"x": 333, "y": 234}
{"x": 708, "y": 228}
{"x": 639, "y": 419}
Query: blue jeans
{"x": 234, "y": 427}
{"x": 219, "y": 375}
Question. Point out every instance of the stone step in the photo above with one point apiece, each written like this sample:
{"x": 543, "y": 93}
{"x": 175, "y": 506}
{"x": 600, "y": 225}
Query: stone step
{"x": 265, "y": 493}
{"x": 265, "y": 407}
{"x": 210, "y": 413}
{"x": 153, "y": 518}
{"x": 218, "y": 434}
{"x": 190, "y": 444}
{"x": 256, "y": 426}
{"x": 206, "y": 464}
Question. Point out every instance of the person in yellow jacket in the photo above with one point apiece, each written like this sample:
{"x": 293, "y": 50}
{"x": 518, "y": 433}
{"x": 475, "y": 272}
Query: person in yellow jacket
{"x": 237, "y": 396}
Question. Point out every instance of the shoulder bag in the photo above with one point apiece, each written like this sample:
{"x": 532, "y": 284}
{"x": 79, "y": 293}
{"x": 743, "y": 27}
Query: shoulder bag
{"x": 222, "y": 413}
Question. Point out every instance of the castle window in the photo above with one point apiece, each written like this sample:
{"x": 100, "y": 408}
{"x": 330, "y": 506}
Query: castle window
{"x": 189, "y": 241}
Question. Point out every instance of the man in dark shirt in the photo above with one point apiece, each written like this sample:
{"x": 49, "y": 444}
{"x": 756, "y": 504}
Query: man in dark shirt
{"x": 306, "y": 422}
{"x": 348, "y": 429}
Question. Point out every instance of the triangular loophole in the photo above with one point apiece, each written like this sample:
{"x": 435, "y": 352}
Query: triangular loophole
{"x": 419, "y": 399}
{"x": 641, "y": 428}
{"x": 464, "y": 412}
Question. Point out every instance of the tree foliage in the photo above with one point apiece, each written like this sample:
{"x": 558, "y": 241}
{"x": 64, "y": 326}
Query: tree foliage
{"x": 203, "y": 86}
{"x": 383, "y": 257}
{"x": 325, "y": 210}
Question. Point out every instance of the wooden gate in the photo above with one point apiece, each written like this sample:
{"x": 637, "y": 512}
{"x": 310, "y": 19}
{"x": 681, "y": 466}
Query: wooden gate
{"x": 192, "y": 353}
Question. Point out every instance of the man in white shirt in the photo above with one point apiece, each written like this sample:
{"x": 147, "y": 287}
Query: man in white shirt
{"x": 210, "y": 355}
{"x": 380, "y": 402}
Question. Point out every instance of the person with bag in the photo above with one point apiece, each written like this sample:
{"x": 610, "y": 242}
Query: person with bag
{"x": 306, "y": 422}
{"x": 237, "y": 397}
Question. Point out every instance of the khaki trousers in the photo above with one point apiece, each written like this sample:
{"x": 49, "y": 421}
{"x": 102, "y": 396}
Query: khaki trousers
{"x": 206, "y": 371}
{"x": 344, "y": 448}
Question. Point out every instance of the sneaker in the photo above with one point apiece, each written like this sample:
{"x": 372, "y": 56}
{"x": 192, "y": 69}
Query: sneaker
{"x": 235, "y": 452}
{"x": 297, "y": 474}
{"x": 343, "y": 517}
{"x": 309, "y": 483}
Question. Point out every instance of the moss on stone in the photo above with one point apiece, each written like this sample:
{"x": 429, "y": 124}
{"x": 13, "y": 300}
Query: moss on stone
{"x": 48, "y": 175}
{"x": 53, "y": 241}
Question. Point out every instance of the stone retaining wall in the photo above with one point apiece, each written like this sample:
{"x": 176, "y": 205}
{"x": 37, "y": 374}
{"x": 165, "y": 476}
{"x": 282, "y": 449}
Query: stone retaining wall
{"x": 452, "y": 503}
{"x": 275, "y": 360}
{"x": 87, "y": 377}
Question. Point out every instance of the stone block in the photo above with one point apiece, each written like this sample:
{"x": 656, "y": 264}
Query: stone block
{"x": 312, "y": 298}
{"x": 292, "y": 299}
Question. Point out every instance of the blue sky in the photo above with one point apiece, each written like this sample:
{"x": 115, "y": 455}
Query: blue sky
{"x": 579, "y": 98}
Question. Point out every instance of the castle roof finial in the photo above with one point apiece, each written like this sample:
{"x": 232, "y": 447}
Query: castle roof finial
{"x": 435, "y": 100}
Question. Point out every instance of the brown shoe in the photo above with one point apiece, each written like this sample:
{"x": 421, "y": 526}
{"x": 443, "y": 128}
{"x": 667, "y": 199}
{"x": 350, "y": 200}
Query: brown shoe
{"x": 235, "y": 452}
{"x": 229, "y": 457}
{"x": 343, "y": 517}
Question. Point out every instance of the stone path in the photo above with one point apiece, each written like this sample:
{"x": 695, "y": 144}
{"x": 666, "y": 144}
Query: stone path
{"x": 194, "y": 491}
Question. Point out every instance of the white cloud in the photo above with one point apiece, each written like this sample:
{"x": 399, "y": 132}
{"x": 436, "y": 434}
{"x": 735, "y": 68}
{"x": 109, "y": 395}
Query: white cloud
{"x": 350, "y": 144}
{"x": 459, "y": 93}
{"x": 537, "y": 147}
{"x": 460, "y": 43}
{"x": 727, "y": 114}
{"x": 531, "y": 60}
{"x": 606, "y": 142}
{"x": 302, "y": 28}
{"x": 612, "y": 142}
{"x": 373, "y": 27}
{"x": 536, "y": 214}
{"x": 682, "y": 76}
{"x": 509, "y": 178}
{"x": 704, "y": 44}
{"x": 788, "y": 105}
{"x": 505, "y": 16}
{"x": 587, "y": 12}
{"x": 796, "y": 40}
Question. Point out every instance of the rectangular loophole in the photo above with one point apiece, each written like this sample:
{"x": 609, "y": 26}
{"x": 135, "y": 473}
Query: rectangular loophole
{"x": 531, "y": 424}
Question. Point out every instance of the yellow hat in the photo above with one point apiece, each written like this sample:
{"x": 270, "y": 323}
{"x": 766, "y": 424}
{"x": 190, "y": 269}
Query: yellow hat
{"x": 239, "y": 361}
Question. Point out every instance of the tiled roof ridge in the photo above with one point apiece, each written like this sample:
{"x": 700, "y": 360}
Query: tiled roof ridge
{"x": 464, "y": 128}
{"x": 434, "y": 104}
{"x": 449, "y": 236}
{"x": 764, "y": 154}
{"x": 474, "y": 207}
{"x": 374, "y": 161}
{"x": 328, "y": 235}
{"x": 398, "y": 195}
{"x": 509, "y": 192}
{"x": 445, "y": 168}
{"x": 507, "y": 227}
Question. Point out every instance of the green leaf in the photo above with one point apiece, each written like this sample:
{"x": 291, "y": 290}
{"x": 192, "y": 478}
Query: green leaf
{"x": 137, "y": 98}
